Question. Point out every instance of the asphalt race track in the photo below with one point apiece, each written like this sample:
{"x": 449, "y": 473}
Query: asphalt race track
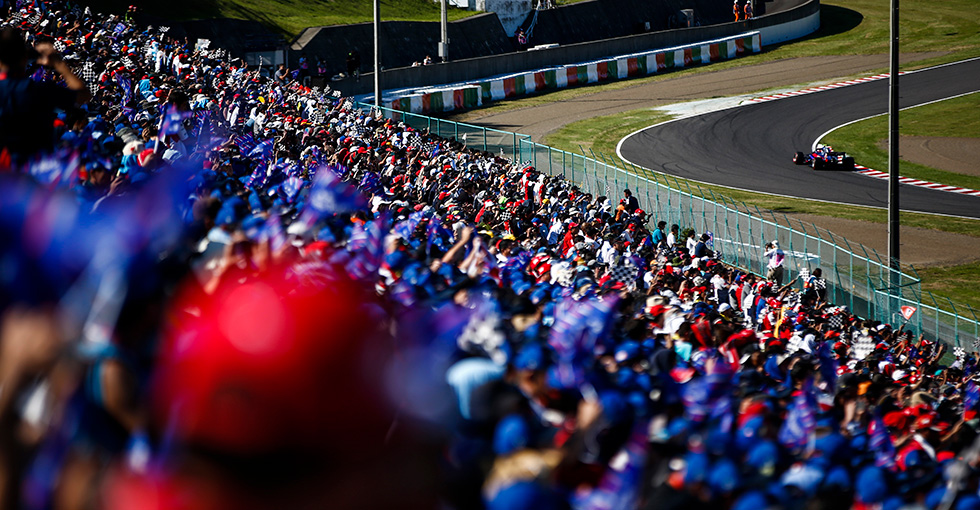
{"x": 751, "y": 147}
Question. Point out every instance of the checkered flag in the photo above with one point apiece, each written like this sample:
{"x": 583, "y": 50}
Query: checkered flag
{"x": 317, "y": 116}
{"x": 33, "y": 20}
{"x": 625, "y": 273}
{"x": 959, "y": 353}
{"x": 347, "y": 105}
{"x": 862, "y": 346}
{"x": 804, "y": 273}
{"x": 336, "y": 94}
{"x": 976, "y": 344}
{"x": 60, "y": 46}
{"x": 163, "y": 30}
{"x": 91, "y": 76}
{"x": 835, "y": 321}
{"x": 415, "y": 142}
{"x": 563, "y": 274}
{"x": 128, "y": 62}
{"x": 820, "y": 284}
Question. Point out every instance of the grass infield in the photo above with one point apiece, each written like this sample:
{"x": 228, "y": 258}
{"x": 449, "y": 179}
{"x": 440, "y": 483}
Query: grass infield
{"x": 956, "y": 117}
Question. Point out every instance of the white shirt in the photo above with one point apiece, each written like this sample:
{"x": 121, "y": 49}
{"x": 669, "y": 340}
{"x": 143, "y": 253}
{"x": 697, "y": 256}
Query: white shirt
{"x": 776, "y": 257}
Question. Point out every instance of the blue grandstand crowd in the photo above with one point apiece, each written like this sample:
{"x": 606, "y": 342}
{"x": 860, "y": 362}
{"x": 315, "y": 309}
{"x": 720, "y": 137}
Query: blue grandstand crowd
{"x": 224, "y": 290}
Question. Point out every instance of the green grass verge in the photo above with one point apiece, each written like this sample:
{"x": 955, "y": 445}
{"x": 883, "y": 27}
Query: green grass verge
{"x": 288, "y": 17}
{"x": 954, "y": 117}
{"x": 957, "y": 282}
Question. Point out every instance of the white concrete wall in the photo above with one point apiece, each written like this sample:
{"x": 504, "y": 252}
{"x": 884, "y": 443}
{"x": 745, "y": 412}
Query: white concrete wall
{"x": 791, "y": 30}
{"x": 511, "y": 12}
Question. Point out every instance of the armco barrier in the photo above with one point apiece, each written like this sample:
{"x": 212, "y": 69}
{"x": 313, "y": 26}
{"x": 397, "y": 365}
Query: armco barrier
{"x": 612, "y": 68}
{"x": 857, "y": 277}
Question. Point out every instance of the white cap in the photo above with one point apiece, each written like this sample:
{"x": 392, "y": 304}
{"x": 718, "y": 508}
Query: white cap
{"x": 724, "y": 307}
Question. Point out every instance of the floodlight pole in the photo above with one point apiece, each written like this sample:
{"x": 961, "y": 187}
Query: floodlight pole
{"x": 444, "y": 29}
{"x": 893, "y": 204}
{"x": 377, "y": 54}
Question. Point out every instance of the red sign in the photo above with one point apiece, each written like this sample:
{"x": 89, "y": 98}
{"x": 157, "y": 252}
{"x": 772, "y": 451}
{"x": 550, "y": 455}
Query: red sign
{"x": 908, "y": 311}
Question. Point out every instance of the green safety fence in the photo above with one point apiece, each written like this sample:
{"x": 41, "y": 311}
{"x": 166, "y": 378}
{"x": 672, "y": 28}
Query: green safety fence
{"x": 857, "y": 276}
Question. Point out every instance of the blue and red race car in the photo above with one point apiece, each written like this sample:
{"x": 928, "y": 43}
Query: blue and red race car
{"x": 825, "y": 157}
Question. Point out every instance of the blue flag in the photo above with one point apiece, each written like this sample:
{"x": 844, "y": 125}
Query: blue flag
{"x": 971, "y": 398}
{"x": 880, "y": 444}
{"x": 329, "y": 195}
{"x": 263, "y": 150}
{"x": 579, "y": 325}
{"x": 126, "y": 84}
{"x": 801, "y": 420}
{"x": 707, "y": 396}
{"x": 172, "y": 121}
{"x": 245, "y": 143}
{"x": 406, "y": 228}
{"x": 828, "y": 366}
{"x": 55, "y": 170}
{"x": 366, "y": 246}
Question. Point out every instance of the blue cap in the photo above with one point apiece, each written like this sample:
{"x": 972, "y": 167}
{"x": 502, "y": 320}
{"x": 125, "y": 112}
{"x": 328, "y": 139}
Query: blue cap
{"x": 968, "y": 502}
{"x": 839, "y": 477}
{"x": 763, "y": 457}
{"x": 871, "y": 485}
{"x": 525, "y": 496}
{"x": 724, "y": 476}
{"x": 520, "y": 286}
{"x": 539, "y": 294}
{"x": 805, "y": 477}
{"x": 697, "y": 465}
{"x": 226, "y": 216}
{"x": 512, "y": 434}
{"x": 627, "y": 351}
{"x": 531, "y": 357}
{"x": 752, "y": 500}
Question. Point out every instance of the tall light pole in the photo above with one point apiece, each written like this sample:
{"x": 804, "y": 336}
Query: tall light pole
{"x": 893, "y": 205}
{"x": 444, "y": 28}
{"x": 377, "y": 53}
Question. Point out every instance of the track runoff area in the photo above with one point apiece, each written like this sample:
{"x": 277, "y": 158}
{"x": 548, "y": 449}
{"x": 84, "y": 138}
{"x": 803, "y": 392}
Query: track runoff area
{"x": 750, "y": 146}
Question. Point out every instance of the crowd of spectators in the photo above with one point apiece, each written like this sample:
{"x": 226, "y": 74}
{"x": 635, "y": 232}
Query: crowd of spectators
{"x": 221, "y": 290}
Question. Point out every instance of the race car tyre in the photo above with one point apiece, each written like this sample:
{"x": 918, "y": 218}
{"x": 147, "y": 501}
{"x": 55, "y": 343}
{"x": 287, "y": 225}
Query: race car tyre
{"x": 848, "y": 163}
{"x": 799, "y": 158}
{"x": 817, "y": 164}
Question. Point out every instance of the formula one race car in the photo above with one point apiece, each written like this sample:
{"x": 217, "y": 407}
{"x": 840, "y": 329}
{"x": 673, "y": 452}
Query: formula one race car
{"x": 825, "y": 157}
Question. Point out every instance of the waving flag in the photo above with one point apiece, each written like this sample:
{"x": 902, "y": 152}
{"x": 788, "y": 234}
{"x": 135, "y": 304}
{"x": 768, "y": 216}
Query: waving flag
{"x": 828, "y": 365}
{"x": 245, "y": 143}
{"x": 55, "y": 170}
{"x": 126, "y": 84}
{"x": 406, "y": 228}
{"x": 880, "y": 444}
{"x": 258, "y": 179}
{"x": 262, "y": 151}
{"x": 579, "y": 325}
{"x": 329, "y": 195}
{"x": 801, "y": 420}
{"x": 707, "y": 396}
{"x": 172, "y": 121}
{"x": 907, "y": 312}
{"x": 366, "y": 246}
{"x": 970, "y": 401}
